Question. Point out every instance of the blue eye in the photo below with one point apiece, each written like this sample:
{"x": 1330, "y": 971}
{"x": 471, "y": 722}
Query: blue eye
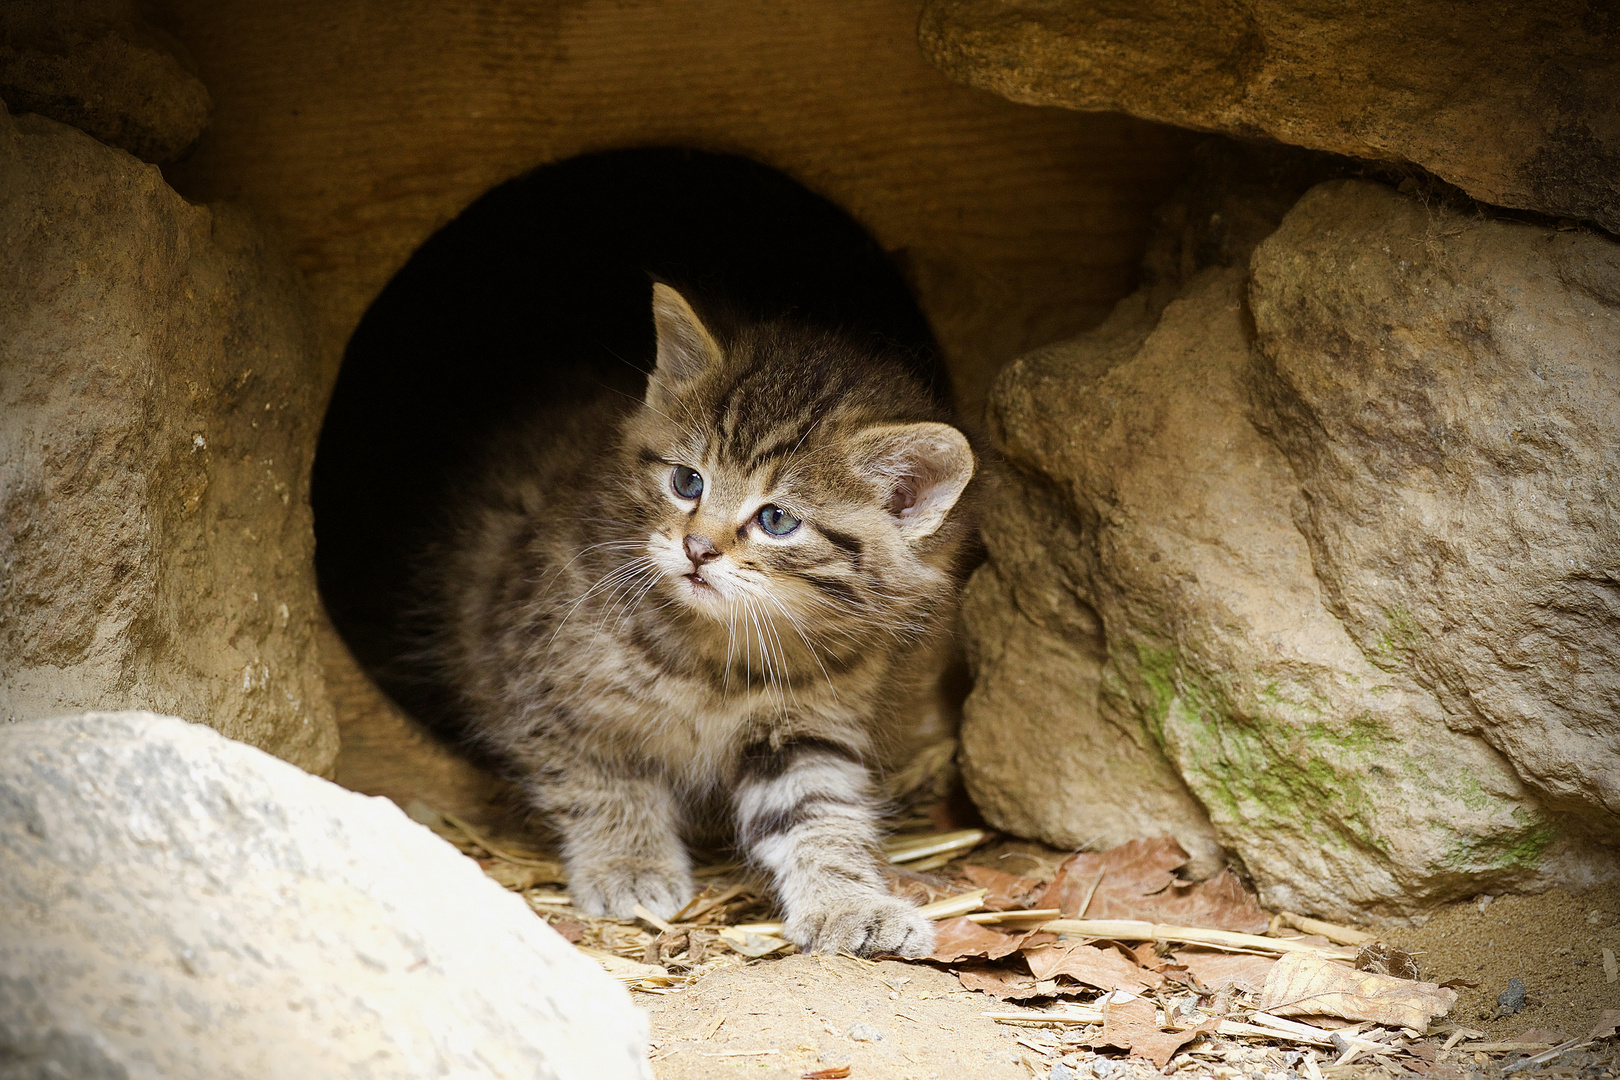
{"x": 776, "y": 521}
{"x": 687, "y": 483}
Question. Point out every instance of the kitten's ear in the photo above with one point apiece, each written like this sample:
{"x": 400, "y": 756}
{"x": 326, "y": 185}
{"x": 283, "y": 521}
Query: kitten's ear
{"x": 685, "y": 346}
{"x": 921, "y": 470}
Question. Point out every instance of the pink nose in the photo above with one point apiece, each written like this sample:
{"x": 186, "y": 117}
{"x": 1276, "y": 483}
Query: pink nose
{"x": 700, "y": 549}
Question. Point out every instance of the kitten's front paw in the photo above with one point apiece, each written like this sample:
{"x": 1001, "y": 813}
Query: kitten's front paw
{"x": 613, "y": 887}
{"x": 866, "y": 923}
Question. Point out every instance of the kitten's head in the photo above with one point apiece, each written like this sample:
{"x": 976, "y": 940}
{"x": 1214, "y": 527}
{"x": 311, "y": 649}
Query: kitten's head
{"x": 793, "y": 483}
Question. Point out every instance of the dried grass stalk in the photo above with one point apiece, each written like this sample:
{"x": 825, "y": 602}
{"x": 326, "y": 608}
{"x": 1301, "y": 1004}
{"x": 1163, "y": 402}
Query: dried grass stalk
{"x": 1227, "y": 940}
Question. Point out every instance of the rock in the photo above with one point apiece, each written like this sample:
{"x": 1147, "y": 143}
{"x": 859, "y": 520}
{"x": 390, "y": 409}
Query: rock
{"x": 1514, "y": 104}
{"x": 97, "y": 65}
{"x": 181, "y": 905}
{"x": 157, "y": 385}
{"x": 1447, "y": 390}
{"x": 1511, "y": 1000}
{"x": 1154, "y": 652}
{"x": 861, "y": 1031}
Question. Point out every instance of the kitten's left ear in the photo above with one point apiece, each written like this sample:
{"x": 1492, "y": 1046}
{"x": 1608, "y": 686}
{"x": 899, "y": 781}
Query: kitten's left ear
{"x": 685, "y": 346}
{"x": 921, "y": 470}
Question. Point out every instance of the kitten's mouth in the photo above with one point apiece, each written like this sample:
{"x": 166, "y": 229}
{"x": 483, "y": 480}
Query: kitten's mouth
{"x": 699, "y": 584}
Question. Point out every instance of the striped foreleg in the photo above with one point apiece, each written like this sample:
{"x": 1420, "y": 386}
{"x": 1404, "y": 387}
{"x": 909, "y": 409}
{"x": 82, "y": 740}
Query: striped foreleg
{"x": 807, "y": 812}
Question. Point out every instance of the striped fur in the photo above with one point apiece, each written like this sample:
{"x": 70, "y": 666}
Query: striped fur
{"x": 632, "y": 654}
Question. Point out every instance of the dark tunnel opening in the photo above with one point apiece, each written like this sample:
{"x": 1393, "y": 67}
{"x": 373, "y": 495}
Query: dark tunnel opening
{"x": 539, "y": 293}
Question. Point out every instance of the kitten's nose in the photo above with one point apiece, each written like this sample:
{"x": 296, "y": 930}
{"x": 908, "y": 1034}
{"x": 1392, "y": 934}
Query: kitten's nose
{"x": 700, "y": 549}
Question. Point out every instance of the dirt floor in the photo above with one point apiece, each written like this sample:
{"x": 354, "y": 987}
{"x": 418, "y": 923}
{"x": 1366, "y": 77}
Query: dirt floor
{"x": 718, "y": 1012}
{"x": 1553, "y": 943}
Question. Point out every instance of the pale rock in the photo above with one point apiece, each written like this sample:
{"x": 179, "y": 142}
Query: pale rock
{"x": 179, "y": 905}
{"x": 1447, "y": 390}
{"x": 159, "y": 397}
{"x": 1154, "y": 650}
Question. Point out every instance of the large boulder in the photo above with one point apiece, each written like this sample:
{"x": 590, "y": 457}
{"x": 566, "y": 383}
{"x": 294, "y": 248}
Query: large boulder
{"x": 100, "y": 66}
{"x": 1517, "y": 104}
{"x": 183, "y": 906}
{"x": 157, "y": 405}
{"x": 1447, "y": 391}
{"x": 1270, "y": 584}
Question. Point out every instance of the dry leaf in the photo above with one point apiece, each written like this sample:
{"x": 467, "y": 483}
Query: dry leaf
{"x": 1300, "y": 983}
{"x": 827, "y": 1074}
{"x": 1608, "y": 1023}
{"x": 1387, "y": 960}
{"x": 1102, "y": 968}
{"x": 1540, "y": 1035}
{"x": 750, "y": 944}
{"x": 572, "y": 930}
{"x": 1133, "y": 1026}
{"x": 1138, "y": 882}
{"x": 1217, "y": 969}
{"x": 1146, "y": 954}
{"x": 959, "y": 939}
{"x": 1007, "y": 892}
{"x": 999, "y": 981}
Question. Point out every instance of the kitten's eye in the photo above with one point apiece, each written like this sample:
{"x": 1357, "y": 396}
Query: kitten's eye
{"x": 776, "y": 521}
{"x": 687, "y": 483}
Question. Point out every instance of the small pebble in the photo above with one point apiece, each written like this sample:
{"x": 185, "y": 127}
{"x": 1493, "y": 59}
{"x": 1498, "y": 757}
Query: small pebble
{"x": 861, "y": 1031}
{"x": 1062, "y": 1071}
{"x": 1511, "y": 1000}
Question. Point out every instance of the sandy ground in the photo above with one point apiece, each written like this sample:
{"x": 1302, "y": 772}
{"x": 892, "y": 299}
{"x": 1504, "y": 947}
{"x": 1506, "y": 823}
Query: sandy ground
{"x": 1553, "y": 943}
{"x": 795, "y": 1016}
{"x": 783, "y": 1018}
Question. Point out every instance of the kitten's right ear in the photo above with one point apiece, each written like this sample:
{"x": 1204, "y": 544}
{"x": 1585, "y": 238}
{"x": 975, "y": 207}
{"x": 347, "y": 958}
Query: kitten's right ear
{"x": 685, "y": 346}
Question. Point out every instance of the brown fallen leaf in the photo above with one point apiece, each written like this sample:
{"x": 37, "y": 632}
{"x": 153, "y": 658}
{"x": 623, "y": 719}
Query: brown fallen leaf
{"x": 1217, "y": 969}
{"x": 960, "y": 939}
{"x": 572, "y": 930}
{"x": 1000, "y": 982}
{"x": 1102, "y": 968}
{"x": 1301, "y": 983}
{"x": 1008, "y": 892}
{"x": 1387, "y": 960}
{"x": 1138, "y": 881}
{"x": 826, "y": 1074}
{"x": 1133, "y": 1026}
{"x": 1608, "y": 1023}
{"x": 1540, "y": 1035}
{"x": 1146, "y": 955}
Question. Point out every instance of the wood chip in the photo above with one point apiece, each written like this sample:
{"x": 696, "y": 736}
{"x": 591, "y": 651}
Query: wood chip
{"x": 1229, "y": 940}
{"x": 913, "y": 848}
{"x": 742, "y": 1053}
{"x": 750, "y": 944}
{"x": 827, "y": 1074}
{"x": 554, "y": 869}
{"x": 1303, "y": 984}
{"x": 706, "y": 1032}
{"x": 1342, "y": 935}
{"x": 1074, "y": 1014}
{"x": 952, "y": 906}
{"x": 1033, "y": 917}
{"x": 653, "y": 920}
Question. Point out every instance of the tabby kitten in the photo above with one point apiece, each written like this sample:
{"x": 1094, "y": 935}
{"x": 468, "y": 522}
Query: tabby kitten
{"x": 723, "y": 593}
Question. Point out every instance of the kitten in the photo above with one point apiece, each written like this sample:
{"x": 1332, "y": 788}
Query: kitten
{"x": 727, "y": 592}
